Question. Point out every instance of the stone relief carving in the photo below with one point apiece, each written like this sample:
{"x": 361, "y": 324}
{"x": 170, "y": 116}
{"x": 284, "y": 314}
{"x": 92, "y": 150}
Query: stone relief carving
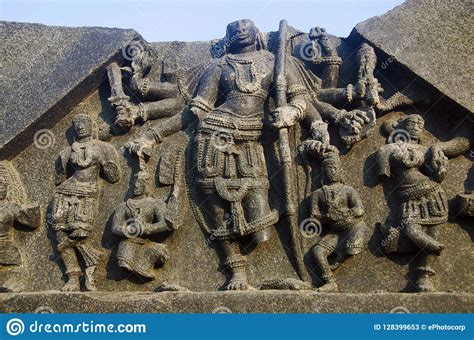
{"x": 142, "y": 217}
{"x": 233, "y": 127}
{"x": 240, "y": 112}
{"x": 415, "y": 173}
{"x": 14, "y": 208}
{"x": 75, "y": 201}
{"x": 339, "y": 208}
{"x": 145, "y": 89}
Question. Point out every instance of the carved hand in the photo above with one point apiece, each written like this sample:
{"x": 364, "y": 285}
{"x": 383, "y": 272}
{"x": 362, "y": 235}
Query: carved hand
{"x": 438, "y": 163}
{"x": 354, "y": 120}
{"x": 367, "y": 90}
{"x": 285, "y": 116}
{"x": 142, "y": 145}
{"x": 319, "y": 34}
{"x": 127, "y": 114}
{"x": 79, "y": 233}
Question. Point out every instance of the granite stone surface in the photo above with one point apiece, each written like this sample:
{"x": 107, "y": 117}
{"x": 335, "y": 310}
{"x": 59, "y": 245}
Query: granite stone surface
{"x": 46, "y": 71}
{"x": 434, "y": 39}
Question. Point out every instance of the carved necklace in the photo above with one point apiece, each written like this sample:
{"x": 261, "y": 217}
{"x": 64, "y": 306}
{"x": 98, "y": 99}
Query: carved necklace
{"x": 332, "y": 195}
{"x": 240, "y": 69}
{"x": 133, "y": 210}
{"x": 82, "y": 155}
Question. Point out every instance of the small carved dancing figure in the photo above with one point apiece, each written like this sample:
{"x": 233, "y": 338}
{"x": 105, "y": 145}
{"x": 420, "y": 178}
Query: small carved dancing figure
{"x": 75, "y": 201}
{"x": 13, "y": 210}
{"x": 415, "y": 172}
{"x": 135, "y": 222}
{"x": 339, "y": 208}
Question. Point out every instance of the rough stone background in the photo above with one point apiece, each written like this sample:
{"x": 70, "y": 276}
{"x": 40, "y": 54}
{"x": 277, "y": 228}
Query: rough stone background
{"x": 193, "y": 264}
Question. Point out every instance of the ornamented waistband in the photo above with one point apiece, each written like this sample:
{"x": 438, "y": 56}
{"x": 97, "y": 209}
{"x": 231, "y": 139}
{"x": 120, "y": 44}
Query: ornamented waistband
{"x": 77, "y": 189}
{"x": 261, "y": 93}
{"x": 237, "y": 127}
{"x": 418, "y": 190}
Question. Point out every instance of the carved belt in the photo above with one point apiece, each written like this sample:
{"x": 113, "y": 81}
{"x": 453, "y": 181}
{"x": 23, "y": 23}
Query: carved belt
{"x": 232, "y": 190}
{"x": 77, "y": 189}
{"x": 261, "y": 93}
{"x": 418, "y": 190}
{"x": 237, "y": 128}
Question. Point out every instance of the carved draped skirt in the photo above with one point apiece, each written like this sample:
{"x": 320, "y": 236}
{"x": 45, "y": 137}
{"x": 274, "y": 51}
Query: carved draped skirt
{"x": 230, "y": 162}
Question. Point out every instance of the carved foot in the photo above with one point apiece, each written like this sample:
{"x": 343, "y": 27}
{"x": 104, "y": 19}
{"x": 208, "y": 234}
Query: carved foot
{"x": 237, "y": 284}
{"x": 169, "y": 287}
{"x": 285, "y": 284}
{"x": 425, "y": 285}
{"x": 89, "y": 282}
{"x": 328, "y": 287}
{"x": 72, "y": 285}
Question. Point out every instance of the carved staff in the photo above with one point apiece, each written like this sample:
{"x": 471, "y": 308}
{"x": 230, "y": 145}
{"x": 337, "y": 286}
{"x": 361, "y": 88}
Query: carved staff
{"x": 285, "y": 150}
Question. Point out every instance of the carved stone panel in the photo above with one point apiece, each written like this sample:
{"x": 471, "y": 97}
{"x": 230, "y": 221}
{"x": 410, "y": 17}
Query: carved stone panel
{"x": 259, "y": 161}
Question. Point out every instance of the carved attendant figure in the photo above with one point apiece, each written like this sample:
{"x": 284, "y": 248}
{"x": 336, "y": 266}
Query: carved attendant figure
{"x": 338, "y": 207}
{"x": 135, "y": 221}
{"x": 75, "y": 201}
{"x": 416, "y": 171}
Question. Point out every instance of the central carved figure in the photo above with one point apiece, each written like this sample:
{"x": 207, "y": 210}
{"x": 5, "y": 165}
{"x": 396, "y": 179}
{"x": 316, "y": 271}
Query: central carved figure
{"x": 231, "y": 104}
{"x": 231, "y": 169}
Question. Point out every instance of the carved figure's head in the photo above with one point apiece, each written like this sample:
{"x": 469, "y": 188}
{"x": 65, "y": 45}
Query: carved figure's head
{"x": 413, "y": 124}
{"x": 140, "y": 185}
{"x": 83, "y": 125}
{"x": 240, "y": 34}
{"x": 331, "y": 168}
{"x": 3, "y": 188}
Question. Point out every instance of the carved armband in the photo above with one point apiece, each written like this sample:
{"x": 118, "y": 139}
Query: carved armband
{"x": 349, "y": 93}
{"x": 201, "y": 104}
{"x": 142, "y": 112}
{"x": 296, "y": 90}
{"x": 152, "y": 133}
{"x": 300, "y": 105}
{"x": 144, "y": 89}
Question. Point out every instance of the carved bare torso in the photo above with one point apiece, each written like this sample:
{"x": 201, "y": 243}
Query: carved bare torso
{"x": 245, "y": 82}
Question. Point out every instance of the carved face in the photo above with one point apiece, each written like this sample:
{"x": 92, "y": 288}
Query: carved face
{"x": 139, "y": 187}
{"x": 241, "y": 33}
{"x": 331, "y": 173}
{"x": 414, "y": 126}
{"x": 82, "y": 126}
{"x": 3, "y": 190}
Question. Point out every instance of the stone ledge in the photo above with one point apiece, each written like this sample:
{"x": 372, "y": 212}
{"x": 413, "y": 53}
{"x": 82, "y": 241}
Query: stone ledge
{"x": 237, "y": 302}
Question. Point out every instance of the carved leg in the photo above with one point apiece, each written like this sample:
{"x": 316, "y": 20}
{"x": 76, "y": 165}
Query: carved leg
{"x": 69, "y": 257}
{"x": 325, "y": 247}
{"x": 234, "y": 264}
{"x": 73, "y": 271}
{"x": 256, "y": 207}
{"x": 90, "y": 283}
{"x": 91, "y": 258}
{"x": 425, "y": 266}
{"x": 354, "y": 240}
{"x": 416, "y": 233}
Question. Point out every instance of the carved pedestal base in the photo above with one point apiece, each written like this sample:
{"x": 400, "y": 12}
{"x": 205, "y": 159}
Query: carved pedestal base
{"x": 236, "y": 302}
